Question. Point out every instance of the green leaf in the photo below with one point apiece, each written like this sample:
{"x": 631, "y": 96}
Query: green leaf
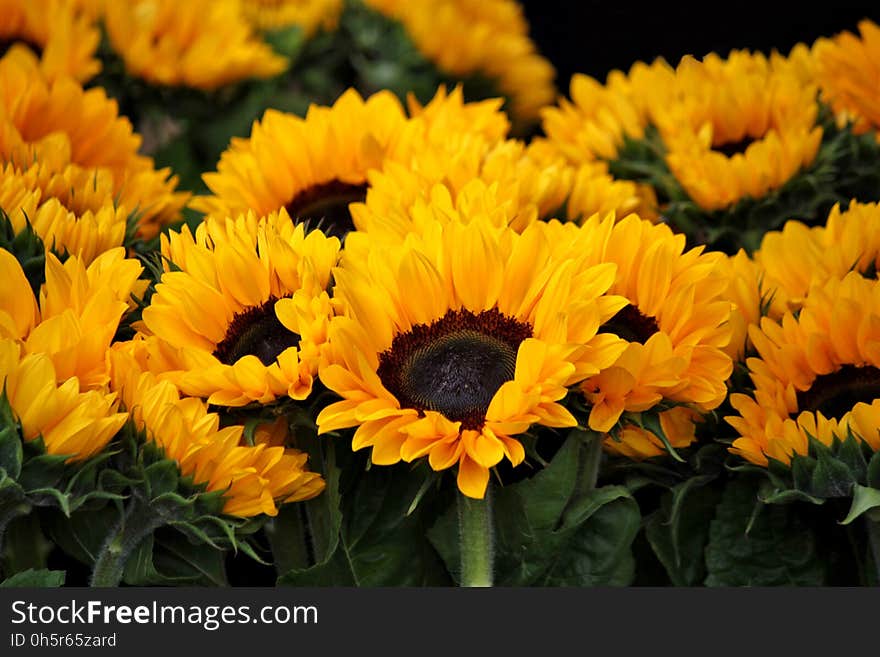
{"x": 35, "y": 578}
{"x": 831, "y": 478}
{"x": 166, "y": 558}
{"x": 161, "y": 478}
{"x": 778, "y": 549}
{"x": 679, "y": 530}
{"x": 864, "y": 500}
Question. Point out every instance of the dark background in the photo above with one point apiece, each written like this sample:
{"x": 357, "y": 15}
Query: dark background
{"x": 597, "y": 37}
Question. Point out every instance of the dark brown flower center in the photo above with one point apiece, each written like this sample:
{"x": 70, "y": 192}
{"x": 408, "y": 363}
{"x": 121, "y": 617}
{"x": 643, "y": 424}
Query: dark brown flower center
{"x": 454, "y": 365}
{"x": 835, "y": 394}
{"x": 630, "y": 324}
{"x": 732, "y": 148}
{"x": 255, "y": 332}
{"x": 326, "y": 206}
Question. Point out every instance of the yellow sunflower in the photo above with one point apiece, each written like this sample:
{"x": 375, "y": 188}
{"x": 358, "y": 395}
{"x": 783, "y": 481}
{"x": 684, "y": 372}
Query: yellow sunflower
{"x": 736, "y": 128}
{"x": 451, "y": 343}
{"x": 750, "y": 299}
{"x": 59, "y": 123}
{"x": 204, "y": 44}
{"x": 312, "y": 167}
{"x": 72, "y": 210}
{"x": 817, "y": 374}
{"x": 486, "y": 38}
{"x": 63, "y": 38}
{"x": 309, "y": 15}
{"x": 70, "y": 421}
{"x": 595, "y": 191}
{"x": 798, "y": 256}
{"x": 255, "y": 479}
{"x": 244, "y": 309}
{"x": 591, "y": 124}
{"x": 525, "y": 187}
{"x": 676, "y": 323}
{"x": 77, "y": 314}
{"x": 847, "y": 69}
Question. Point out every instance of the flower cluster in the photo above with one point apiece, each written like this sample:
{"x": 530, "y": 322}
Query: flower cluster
{"x": 484, "y": 287}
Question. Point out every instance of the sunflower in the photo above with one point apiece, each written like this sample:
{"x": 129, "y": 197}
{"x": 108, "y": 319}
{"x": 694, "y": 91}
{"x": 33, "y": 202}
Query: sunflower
{"x": 817, "y": 374}
{"x": 64, "y": 38}
{"x": 70, "y": 421}
{"x": 309, "y": 15}
{"x": 747, "y": 291}
{"x": 451, "y": 343}
{"x": 595, "y": 191}
{"x": 675, "y": 326}
{"x": 244, "y": 308}
{"x": 77, "y": 314}
{"x": 593, "y": 123}
{"x": 525, "y": 187}
{"x": 59, "y": 123}
{"x": 204, "y": 44}
{"x": 736, "y": 128}
{"x": 312, "y": 167}
{"x": 254, "y": 479}
{"x": 72, "y": 210}
{"x": 847, "y": 68}
{"x": 798, "y": 256}
{"x": 473, "y": 38}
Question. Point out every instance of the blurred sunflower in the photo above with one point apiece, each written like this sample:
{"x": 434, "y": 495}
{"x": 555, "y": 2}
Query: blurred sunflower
{"x": 243, "y": 310}
{"x": 735, "y": 128}
{"x": 847, "y": 69}
{"x": 798, "y": 256}
{"x": 62, "y": 37}
{"x": 59, "y": 123}
{"x": 817, "y": 374}
{"x": 592, "y": 123}
{"x": 72, "y": 210}
{"x": 451, "y": 343}
{"x": 204, "y": 44}
{"x": 77, "y": 314}
{"x": 309, "y": 15}
{"x": 675, "y": 325}
{"x": 485, "y": 39}
{"x": 595, "y": 191}
{"x": 254, "y": 479}
{"x": 71, "y": 422}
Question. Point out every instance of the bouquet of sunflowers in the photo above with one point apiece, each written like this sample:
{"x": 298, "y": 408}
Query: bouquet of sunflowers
{"x": 340, "y": 292}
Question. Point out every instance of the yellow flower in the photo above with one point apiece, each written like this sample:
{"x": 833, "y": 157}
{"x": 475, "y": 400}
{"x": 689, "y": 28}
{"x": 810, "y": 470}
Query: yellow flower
{"x": 59, "y": 123}
{"x": 72, "y": 210}
{"x": 309, "y": 15}
{"x": 203, "y": 44}
{"x": 593, "y": 123}
{"x": 817, "y": 374}
{"x": 847, "y": 69}
{"x": 71, "y": 422}
{"x": 254, "y": 479}
{"x": 64, "y": 38}
{"x": 595, "y": 191}
{"x": 450, "y": 344}
{"x": 312, "y": 167}
{"x": 798, "y": 256}
{"x": 747, "y": 291}
{"x": 78, "y": 311}
{"x": 486, "y": 38}
{"x": 638, "y": 443}
{"x": 245, "y": 308}
{"x": 736, "y": 128}
{"x": 675, "y": 324}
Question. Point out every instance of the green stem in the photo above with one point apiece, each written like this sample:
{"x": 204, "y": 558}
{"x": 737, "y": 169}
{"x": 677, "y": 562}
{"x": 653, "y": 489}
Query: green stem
{"x": 475, "y": 536}
{"x": 134, "y": 526}
{"x": 590, "y": 460}
{"x": 873, "y": 527}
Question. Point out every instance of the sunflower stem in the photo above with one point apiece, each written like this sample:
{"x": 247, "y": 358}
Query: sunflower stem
{"x": 873, "y": 526}
{"x": 134, "y": 526}
{"x": 591, "y": 459}
{"x": 475, "y": 536}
